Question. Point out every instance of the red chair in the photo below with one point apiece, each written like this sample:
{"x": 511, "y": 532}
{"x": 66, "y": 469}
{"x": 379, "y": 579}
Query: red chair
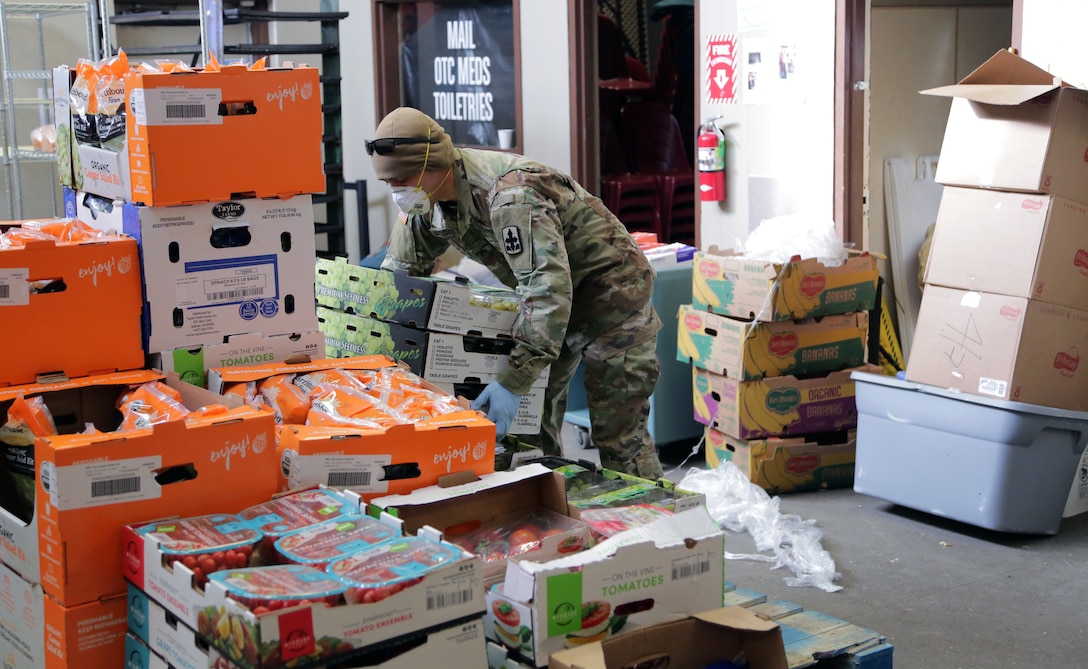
{"x": 656, "y": 148}
{"x": 633, "y": 198}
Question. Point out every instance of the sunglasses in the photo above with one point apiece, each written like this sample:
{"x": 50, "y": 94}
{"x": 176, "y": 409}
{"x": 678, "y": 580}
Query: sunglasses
{"x": 386, "y": 145}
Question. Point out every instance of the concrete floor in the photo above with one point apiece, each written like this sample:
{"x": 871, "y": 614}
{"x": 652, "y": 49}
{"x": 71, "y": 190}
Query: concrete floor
{"x": 945, "y": 594}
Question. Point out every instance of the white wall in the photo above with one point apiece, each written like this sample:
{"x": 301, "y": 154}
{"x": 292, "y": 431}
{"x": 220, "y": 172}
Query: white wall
{"x": 779, "y": 152}
{"x": 1053, "y": 38}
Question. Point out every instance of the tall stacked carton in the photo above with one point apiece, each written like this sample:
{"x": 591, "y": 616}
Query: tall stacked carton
{"x": 227, "y": 243}
{"x": 1004, "y": 310}
{"x": 772, "y": 348}
{"x": 454, "y": 334}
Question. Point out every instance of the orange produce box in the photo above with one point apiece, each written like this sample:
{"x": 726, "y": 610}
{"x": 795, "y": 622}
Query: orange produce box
{"x": 72, "y": 308}
{"x": 262, "y": 129}
{"x": 42, "y": 634}
{"x": 89, "y": 486}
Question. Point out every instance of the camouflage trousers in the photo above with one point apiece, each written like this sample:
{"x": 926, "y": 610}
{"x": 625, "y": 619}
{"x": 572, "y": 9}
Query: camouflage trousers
{"x": 619, "y": 377}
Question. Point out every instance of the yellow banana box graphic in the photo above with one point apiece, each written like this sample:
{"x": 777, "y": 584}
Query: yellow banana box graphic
{"x": 751, "y": 350}
{"x": 776, "y": 406}
{"x": 790, "y": 464}
{"x": 726, "y": 283}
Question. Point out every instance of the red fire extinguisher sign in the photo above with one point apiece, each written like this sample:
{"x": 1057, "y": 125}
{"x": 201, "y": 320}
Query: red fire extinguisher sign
{"x": 711, "y": 161}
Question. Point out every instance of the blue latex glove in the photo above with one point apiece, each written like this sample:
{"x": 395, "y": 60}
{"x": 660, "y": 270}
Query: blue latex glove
{"x": 502, "y": 406}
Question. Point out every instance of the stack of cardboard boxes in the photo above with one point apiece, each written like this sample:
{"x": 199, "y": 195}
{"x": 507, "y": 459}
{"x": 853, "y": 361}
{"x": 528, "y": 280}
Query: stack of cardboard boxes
{"x": 455, "y": 335}
{"x": 773, "y": 347}
{"x": 1004, "y": 312}
{"x": 226, "y": 242}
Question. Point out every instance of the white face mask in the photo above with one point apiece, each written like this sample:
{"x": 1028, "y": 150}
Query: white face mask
{"x": 412, "y": 200}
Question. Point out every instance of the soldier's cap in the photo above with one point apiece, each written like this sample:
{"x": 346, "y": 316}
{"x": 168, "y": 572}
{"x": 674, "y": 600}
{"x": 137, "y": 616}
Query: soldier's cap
{"x": 407, "y": 140}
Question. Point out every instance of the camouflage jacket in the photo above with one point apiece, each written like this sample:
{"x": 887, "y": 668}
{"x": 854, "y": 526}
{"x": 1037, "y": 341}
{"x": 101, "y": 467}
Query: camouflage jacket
{"x": 578, "y": 271}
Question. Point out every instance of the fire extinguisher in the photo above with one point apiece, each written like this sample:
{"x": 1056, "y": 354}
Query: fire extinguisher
{"x": 711, "y": 153}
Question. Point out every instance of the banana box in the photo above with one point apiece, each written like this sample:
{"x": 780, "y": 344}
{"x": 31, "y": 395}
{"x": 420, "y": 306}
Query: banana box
{"x": 776, "y": 406}
{"x": 751, "y": 350}
{"x": 790, "y": 464}
{"x": 727, "y": 283}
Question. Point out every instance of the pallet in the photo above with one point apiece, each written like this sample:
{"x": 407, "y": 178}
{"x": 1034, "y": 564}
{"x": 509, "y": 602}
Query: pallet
{"x": 815, "y": 639}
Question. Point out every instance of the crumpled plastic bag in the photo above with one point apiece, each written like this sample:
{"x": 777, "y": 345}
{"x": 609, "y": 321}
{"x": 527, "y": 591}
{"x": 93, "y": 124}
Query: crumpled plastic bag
{"x": 779, "y": 239}
{"x": 739, "y": 505}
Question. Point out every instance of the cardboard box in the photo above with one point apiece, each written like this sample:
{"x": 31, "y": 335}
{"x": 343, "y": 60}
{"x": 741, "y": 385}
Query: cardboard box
{"x": 454, "y": 358}
{"x": 103, "y": 172}
{"x": 999, "y": 346}
{"x": 379, "y": 462}
{"x": 164, "y": 640}
{"x": 482, "y": 501}
{"x": 90, "y": 485}
{"x": 377, "y": 293}
{"x": 220, "y": 377}
{"x": 63, "y": 77}
{"x": 101, "y": 295}
{"x": 726, "y": 283}
{"x": 662, "y": 571}
{"x": 473, "y": 309}
{"x": 776, "y": 406}
{"x": 751, "y": 350}
{"x": 1033, "y": 246}
{"x": 530, "y": 409}
{"x": 1041, "y": 123}
{"x": 721, "y": 635}
{"x": 215, "y": 270}
{"x": 36, "y": 632}
{"x": 253, "y": 119}
{"x": 595, "y": 488}
{"x": 192, "y": 364}
{"x": 300, "y": 634}
{"x": 348, "y": 335}
{"x": 790, "y": 464}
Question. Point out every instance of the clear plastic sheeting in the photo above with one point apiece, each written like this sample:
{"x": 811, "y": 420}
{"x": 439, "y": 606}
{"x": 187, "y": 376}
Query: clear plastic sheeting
{"x": 779, "y": 239}
{"x": 738, "y": 505}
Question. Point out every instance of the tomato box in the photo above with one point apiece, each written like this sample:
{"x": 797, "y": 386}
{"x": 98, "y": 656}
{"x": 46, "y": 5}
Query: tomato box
{"x": 192, "y": 363}
{"x": 776, "y": 406}
{"x": 727, "y": 283}
{"x": 750, "y": 350}
{"x": 89, "y": 486}
{"x": 717, "y": 638}
{"x": 303, "y": 634}
{"x": 484, "y": 503}
{"x": 653, "y": 573}
{"x": 348, "y": 336}
{"x": 253, "y": 118}
{"x": 99, "y": 288}
{"x": 39, "y": 633}
{"x": 172, "y": 643}
{"x": 788, "y": 464}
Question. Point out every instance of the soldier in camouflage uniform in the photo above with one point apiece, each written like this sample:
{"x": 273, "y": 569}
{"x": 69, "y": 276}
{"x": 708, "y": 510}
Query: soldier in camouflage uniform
{"x": 584, "y": 282}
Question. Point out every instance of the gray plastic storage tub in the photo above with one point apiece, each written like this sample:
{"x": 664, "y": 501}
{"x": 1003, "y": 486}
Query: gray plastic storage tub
{"x": 1000, "y": 465}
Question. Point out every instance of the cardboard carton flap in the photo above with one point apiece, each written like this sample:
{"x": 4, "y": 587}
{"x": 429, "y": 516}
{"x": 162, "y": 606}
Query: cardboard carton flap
{"x": 1004, "y": 79}
{"x": 737, "y": 617}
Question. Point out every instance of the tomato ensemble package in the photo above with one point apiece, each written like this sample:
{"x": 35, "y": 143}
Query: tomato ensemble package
{"x": 264, "y": 589}
{"x": 388, "y": 568}
{"x": 205, "y": 544}
{"x": 607, "y": 522}
{"x": 318, "y": 545}
{"x": 517, "y": 533}
{"x": 290, "y": 513}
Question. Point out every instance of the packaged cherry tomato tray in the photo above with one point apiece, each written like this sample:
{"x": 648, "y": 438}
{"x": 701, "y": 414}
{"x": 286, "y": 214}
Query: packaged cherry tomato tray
{"x": 607, "y": 522}
{"x": 539, "y": 535}
{"x": 320, "y": 544}
{"x": 205, "y": 544}
{"x": 292, "y": 512}
{"x": 264, "y": 589}
{"x": 389, "y": 568}
{"x": 257, "y": 626}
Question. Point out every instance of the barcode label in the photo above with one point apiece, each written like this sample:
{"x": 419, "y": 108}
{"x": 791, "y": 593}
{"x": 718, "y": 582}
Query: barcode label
{"x": 348, "y": 479}
{"x": 441, "y": 600}
{"x": 185, "y": 111}
{"x": 111, "y": 488}
{"x": 689, "y": 570}
{"x": 5, "y": 291}
{"x": 993, "y": 387}
{"x": 14, "y": 287}
{"x": 235, "y": 294}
